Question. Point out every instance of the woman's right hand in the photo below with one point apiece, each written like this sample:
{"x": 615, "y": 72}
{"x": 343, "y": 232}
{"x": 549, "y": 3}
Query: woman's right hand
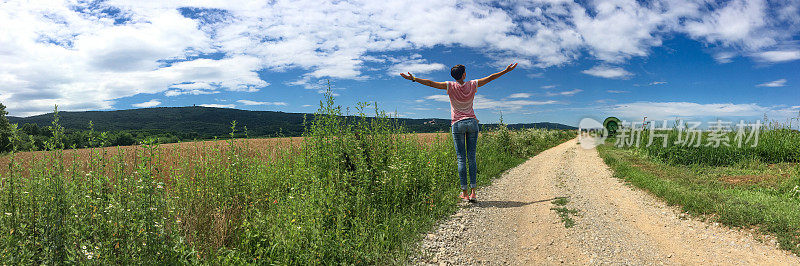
{"x": 407, "y": 76}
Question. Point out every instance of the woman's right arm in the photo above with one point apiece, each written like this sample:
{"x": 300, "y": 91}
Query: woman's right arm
{"x": 426, "y": 82}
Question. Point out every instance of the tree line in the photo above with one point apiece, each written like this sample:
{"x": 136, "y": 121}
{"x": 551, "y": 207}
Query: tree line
{"x": 32, "y": 137}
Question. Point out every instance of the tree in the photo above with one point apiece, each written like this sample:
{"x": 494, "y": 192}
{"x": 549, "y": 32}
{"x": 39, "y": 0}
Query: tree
{"x": 31, "y": 129}
{"x": 5, "y": 130}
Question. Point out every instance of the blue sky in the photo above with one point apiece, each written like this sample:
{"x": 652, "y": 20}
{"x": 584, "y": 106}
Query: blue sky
{"x": 662, "y": 59}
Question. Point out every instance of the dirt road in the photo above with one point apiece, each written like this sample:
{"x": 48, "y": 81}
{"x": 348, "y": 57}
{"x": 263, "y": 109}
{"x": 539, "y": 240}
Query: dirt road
{"x": 615, "y": 223}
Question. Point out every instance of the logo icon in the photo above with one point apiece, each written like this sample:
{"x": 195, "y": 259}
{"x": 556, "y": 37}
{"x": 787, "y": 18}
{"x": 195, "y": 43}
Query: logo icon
{"x": 591, "y": 133}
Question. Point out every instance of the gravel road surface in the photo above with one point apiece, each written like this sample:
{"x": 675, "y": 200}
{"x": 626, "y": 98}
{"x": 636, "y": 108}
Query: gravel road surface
{"x": 615, "y": 223}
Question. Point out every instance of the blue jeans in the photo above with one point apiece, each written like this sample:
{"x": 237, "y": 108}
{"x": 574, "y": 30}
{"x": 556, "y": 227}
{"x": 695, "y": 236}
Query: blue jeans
{"x": 466, "y": 131}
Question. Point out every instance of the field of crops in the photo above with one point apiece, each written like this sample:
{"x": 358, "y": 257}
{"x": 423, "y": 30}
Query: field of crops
{"x": 353, "y": 192}
{"x": 265, "y": 149}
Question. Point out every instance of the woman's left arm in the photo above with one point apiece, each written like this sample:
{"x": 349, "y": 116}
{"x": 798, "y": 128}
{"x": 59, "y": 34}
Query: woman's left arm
{"x": 426, "y": 82}
{"x": 494, "y": 76}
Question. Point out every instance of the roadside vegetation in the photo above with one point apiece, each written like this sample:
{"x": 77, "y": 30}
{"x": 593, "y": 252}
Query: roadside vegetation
{"x": 776, "y": 144}
{"x": 564, "y": 212}
{"x": 356, "y": 190}
{"x": 749, "y": 187}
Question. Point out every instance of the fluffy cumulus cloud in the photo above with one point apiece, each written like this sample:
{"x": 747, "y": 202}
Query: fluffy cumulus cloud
{"x": 414, "y": 64}
{"x": 87, "y": 55}
{"x": 147, "y": 104}
{"x": 608, "y": 72}
{"x": 216, "y": 105}
{"x": 779, "y": 56}
{"x": 520, "y": 95}
{"x": 416, "y": 67}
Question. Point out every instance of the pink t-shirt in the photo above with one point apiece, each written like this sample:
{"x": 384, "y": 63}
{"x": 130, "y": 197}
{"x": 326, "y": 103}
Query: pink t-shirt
{"x": 461, "y": 96}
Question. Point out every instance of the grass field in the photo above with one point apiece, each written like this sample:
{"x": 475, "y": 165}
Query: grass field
{"x": 751, "y": 187}
{"x": 349, "y": 192}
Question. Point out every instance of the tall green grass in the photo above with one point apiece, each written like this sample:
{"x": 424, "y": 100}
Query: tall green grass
{"x": 356, "y": 191}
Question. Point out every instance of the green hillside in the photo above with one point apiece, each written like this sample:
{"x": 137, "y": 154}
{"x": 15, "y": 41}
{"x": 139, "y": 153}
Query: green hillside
{"x": 208, "y": 122}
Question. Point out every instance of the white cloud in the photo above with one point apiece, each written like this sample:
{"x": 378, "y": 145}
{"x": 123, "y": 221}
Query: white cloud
{"x": 194, "y": 88}
{"x": 520, "y": 95}
{"x": 565, "y": 93}
{"x": 439, "y": 98}
{"x": 608, "y": 72}
{"x": 736, "y": 23}
{"x": 306, "y": 105}
{"x": 617, "y": 91}
{"x": 548, "y": 86}
{"x": 701, "y": 111}
{"x": 74, "y": 54}
{"x": 147, "y": 104}
{"x": 657, "y": 83}
{"x": 535, "y": 75}
{"x": 415, "y": 66}
{"x": 670, "y": 110}
{"x": 321, "y": 86}
{"x": 481, "y": 102}
{"x": 249, "y": 102}
{"x": 214, "y": 105}
{"x": 774, "y": 83}
{"x": 778, "y": 56}
{"x": 54, "y": 54}
{"x": 724, "y": 57}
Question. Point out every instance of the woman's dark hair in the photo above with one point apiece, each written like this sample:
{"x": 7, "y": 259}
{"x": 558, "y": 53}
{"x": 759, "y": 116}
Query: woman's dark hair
{"x": 458, "y": 71}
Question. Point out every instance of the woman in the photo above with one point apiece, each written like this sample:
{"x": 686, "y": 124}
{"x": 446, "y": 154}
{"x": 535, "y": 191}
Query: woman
{"x": 464, "y": 124}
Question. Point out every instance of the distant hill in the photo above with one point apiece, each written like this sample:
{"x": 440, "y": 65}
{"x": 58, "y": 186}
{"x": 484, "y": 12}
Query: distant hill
{"x": 208, "y": 122}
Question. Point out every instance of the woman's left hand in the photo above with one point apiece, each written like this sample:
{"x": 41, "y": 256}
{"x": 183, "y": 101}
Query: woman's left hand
{"x": 511, "y": 67}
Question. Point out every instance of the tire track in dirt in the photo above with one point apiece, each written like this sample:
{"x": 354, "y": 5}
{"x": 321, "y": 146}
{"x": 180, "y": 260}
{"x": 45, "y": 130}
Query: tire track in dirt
{"x": 616, "y": 224}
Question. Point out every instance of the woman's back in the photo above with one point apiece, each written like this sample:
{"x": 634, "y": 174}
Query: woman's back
{"x": 461, "y": 99}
